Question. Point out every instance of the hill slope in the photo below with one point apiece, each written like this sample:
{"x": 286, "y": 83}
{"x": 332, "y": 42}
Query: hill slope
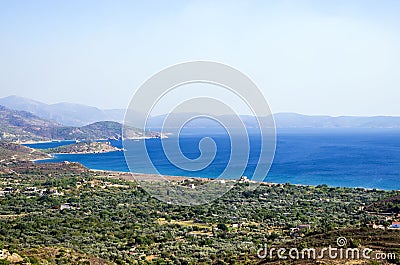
{"x": 15, "y": 152}
{"x": 22, "y": 125}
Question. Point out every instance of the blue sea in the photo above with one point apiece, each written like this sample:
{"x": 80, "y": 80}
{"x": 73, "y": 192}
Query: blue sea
{"x": 368, "y": 158}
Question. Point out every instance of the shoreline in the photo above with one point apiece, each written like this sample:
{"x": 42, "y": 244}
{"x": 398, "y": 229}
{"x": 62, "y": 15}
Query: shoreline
{"x": 42, "y": 141}
{"x": 87, "y": 140}
{"x": 101, "y": 147}
{"x": 133, "y": 176}
{"x": 146, "y": 176}
{"x": 88, "y": 153}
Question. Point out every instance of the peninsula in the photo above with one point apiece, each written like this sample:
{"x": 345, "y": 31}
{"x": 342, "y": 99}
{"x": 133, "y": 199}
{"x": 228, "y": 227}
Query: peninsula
{"x": 83, "y": 148}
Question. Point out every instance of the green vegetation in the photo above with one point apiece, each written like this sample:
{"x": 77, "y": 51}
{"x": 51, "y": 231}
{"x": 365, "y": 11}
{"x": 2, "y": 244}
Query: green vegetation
{"x": 62, "y": 213}
{"x": 389, "y": 205}
{"x": 90, "y": 218}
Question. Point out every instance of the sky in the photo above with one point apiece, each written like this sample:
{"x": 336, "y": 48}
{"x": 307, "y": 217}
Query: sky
{"x": 310, "y": 57}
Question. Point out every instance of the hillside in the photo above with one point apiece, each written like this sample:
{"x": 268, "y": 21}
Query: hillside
{"x": 389, "y": 205}
{"x": 113, "y": 130}
{"x": 15, "y": 152}
{"x": 100, "y": 130}
{"x": 22, "y": 126}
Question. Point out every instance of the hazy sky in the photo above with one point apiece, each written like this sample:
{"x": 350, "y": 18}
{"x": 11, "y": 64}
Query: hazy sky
{"x": 310, "y": 57}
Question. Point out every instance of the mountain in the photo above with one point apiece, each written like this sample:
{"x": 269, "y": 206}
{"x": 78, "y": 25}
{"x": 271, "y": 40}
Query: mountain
{"x": 68, "y": 114}
{"x": 77, "y": 115}
{"x": 175, "y": 121}
{"x": 282, "y": 120}
{"x": 23, "y": 126}
{"x": 101, "y": 130}
{"x": 294, "y": 120}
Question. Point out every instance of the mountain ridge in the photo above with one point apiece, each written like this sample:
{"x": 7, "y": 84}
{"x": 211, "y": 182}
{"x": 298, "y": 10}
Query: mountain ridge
{"x": 68, "y": 114}
{"x": 78, "y": 115}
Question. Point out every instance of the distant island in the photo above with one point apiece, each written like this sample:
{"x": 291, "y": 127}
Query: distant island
{"x": 83, "y": 148}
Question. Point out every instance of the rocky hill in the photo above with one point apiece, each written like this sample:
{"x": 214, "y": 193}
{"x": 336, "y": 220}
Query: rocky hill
{"x": 15, "y": 152}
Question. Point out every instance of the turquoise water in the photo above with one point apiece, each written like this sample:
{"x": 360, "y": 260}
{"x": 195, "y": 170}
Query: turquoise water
{"x": 345, "y": 158}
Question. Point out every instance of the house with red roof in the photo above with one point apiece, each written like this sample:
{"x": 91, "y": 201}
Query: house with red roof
{"x": 395, "y": 225}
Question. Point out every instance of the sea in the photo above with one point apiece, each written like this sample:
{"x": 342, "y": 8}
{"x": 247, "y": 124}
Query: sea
{"x": 365, "y": 158}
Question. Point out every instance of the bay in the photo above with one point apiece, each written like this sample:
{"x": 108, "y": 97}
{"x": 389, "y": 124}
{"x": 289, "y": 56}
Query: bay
{"x": 335, "y": 157}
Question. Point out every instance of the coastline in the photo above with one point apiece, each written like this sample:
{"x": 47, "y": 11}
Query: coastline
{"x": 87, "y": 140}
{"x": 134, "y": 176}
{"x": 41, "y": 142}
{"x": 271, "y": 179}
{"x": 73, "y": 147}
{"x": 143, "y": 176}
{"x": 49, "y": 156}
{"x": 146, "y": 176}
{"x": 89, "y": 153}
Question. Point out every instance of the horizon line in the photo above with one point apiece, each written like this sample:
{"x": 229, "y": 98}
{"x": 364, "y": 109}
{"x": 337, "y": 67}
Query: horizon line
{"x": 241, "y": 114}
